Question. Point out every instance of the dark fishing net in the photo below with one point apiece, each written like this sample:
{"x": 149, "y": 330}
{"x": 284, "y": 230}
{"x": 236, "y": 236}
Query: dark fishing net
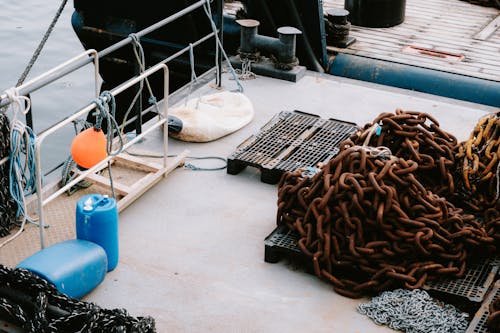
{"x": 7, "y": 204}
{"x": 35, "y": 305}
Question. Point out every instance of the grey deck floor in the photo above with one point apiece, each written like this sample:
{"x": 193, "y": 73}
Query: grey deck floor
{"x": 192, "y": 247}
{"x": 447, "y": 26}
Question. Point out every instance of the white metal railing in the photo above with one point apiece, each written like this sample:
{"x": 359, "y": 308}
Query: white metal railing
{"x": 93, "y": 56}
{"x": 162, "y": 122}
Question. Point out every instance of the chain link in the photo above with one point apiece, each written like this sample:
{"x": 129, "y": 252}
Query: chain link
{"x": 414, "y": 311}
{"x": 245, "y": 73}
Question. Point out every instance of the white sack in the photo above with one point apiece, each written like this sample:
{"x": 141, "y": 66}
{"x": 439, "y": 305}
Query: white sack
{"x": 210, "y": 117}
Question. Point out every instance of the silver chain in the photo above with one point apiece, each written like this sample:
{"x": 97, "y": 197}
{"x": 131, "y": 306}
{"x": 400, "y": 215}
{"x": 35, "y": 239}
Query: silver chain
{"x": 246, "y": 70}
{"x": 414, "y": 311}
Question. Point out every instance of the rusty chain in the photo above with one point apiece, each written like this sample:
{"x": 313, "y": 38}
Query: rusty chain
{"x": 415, "y": 136}
{"x": 369, "y": 223}
{"x": 478, "y": 165}
{"x": 493, "y": 321}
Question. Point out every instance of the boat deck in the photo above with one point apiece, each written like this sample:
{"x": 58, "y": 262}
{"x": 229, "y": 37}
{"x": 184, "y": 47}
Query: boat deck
{"x": 446, "y": 35}
{"x": 192, "y": 250}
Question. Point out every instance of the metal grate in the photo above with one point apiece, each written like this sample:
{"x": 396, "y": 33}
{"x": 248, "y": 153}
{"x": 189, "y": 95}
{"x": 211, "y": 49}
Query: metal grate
{"x": 473, "y": 286}
{"x": 478, "y": 323}
{"x": 290, "y": 140}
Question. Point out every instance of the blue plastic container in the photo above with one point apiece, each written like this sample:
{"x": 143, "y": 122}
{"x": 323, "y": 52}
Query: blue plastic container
{"x": 75, "y": 266}
{"x": 97, "y": 221}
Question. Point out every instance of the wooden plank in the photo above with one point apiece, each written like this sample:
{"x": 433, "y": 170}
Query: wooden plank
{"x": 489, "y": 29}
{"x": 488, "y": 47}
{"x": 136, "y": 162}
{"x": 471, "y": 61}
{"x": 442, "y": 25}
{"x": 120, "y": 189}
{"x": 140, "y": 187}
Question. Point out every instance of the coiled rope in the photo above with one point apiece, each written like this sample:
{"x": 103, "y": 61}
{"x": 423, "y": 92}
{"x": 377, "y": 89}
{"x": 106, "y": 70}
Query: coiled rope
{"x": 22, "y": 159}
{"x": 35, "y": 305}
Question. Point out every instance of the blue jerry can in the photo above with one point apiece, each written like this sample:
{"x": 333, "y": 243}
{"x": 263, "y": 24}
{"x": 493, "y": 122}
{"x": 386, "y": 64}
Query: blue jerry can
{"x": 97, "y": 221}
{"x": 74, "y": 266}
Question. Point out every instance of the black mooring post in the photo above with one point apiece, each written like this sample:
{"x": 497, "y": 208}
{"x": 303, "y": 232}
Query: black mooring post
{"x": 220, "y": 27}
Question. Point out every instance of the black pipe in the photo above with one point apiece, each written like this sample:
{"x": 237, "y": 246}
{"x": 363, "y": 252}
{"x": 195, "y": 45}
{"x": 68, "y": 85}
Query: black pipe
{"x": 316, "y": 66}
{"x": 220, "y": 34}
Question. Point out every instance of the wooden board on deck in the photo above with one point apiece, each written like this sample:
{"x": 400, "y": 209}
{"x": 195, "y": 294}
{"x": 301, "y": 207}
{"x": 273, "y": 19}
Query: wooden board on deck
{"x": 469, "y": 34}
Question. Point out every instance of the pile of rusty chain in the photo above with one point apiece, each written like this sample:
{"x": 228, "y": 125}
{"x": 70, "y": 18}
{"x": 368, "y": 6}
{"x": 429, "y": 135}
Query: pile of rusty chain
{"x": 368, "y": 224}
{"x": 491, "y": 221}
{"x": 493, "y": 321}
{"x": 415, "y": 136}
{"x": 478, "y": 166}
{"x": 8, "y": 207}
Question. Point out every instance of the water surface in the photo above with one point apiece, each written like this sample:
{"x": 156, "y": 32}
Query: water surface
{"x": 22, "y": 26}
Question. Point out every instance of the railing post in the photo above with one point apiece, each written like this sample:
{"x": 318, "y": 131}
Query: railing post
{"x": 220, "y": 28}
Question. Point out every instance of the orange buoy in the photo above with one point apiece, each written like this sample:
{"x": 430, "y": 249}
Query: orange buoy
{"x": 89, "y": 148}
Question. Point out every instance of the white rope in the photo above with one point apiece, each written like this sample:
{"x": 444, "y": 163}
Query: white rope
{"x": 22, "y": 142}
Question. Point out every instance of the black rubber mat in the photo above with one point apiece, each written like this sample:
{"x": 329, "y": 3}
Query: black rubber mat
{"x": 289, "y": 141}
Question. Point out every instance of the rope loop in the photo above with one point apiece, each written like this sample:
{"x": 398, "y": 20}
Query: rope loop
{"x": 18, "y": 103}
{"x": 141, "y": 61}
{"x": 105, "y": 112}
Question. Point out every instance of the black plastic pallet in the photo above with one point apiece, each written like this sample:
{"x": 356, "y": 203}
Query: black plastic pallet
{"x": 281, "y": 244}
{"x": 466, "y": 293}
{"x": 478, "y": 323}
{"x": 289, "y": 141}
{"x": 473, "y": 287}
